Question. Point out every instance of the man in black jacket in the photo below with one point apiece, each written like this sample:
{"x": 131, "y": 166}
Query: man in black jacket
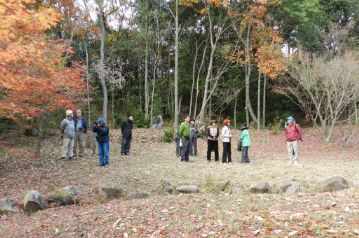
{"x": 126, "y": 129}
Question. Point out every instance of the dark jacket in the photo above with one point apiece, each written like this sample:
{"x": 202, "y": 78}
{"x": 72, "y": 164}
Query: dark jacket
{"x": 126, "y": 129}
{"x": 102, "y": 133}
{"x": 83, "y": 123}
{"x": 212, "y": 133}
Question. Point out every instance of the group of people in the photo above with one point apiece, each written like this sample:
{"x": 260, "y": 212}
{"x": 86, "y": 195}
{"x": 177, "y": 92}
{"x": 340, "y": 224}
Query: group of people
{"x": 188, "y": 134}
{"x": 74, "y": 135}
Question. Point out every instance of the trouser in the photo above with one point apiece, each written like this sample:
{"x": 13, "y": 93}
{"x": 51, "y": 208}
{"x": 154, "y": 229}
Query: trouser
{"x": 103, "y": 150}
{"x": 178, "y": 147}
{"x": 67, "y": 147}
{"x": 245, "y": 158}
{"x": 293, "y": 150}
{"x": 193, "y": 148}
{"x": 80, "y": 141}
{"x": 227, "y": 153}
{"x": 212, "y": 145}
{"x": 94, "y": 143}
{"x": 125, "y": 146}
{"x": 186, "y": 143}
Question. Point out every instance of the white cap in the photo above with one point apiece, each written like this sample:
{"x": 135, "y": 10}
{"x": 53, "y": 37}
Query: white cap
{"x": 68, "y": 112}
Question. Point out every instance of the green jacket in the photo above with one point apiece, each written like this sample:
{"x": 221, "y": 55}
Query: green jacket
{"x": 246, "y": 140}
{"x": 184, "y": 130}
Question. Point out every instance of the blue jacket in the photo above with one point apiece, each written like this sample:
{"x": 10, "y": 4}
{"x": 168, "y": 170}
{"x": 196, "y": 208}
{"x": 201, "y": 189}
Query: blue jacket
{"x": 126, "y": 129}
{"x": 83, "y": 123}
{"x": 102, "y": 133}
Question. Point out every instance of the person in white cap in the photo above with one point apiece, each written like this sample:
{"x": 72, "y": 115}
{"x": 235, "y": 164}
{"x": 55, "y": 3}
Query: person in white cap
{"x": 80, "y": 133}
{"x": 67, "y": 127}
{"x": 293, "y": 133}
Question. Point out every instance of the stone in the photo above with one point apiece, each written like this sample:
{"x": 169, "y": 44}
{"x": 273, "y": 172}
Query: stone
{"x": 286, "y": 186}
{"x": 187, "y": 189}
{"x": 139, "y": 195}
{"x": 8, "y": 205}
{"x": 158, "y": 122}
{"x": 167, "y": 187}
{"x": 64, "y": 196}
{"x": 33, "y": 202}
{"x": 72, "y": 191}
{"x": 262, "y": 187}
{"x": 334, "y": 184}
{"x": 109, "y": 193}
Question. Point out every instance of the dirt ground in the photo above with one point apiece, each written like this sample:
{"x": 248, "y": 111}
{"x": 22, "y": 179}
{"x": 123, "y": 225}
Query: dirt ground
{"x": 210, "y": 213}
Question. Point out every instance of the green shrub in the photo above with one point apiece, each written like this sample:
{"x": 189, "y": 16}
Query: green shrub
{"x": 168, "y": 135}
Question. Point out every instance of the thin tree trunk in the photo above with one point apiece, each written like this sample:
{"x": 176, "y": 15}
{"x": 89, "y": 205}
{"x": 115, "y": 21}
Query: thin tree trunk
{"x": 259, "y": 101}
{"x": 193, "y": 80}
{"x": 176, "y": 114}
{"x": 88, "y": 84}
{"x": 264, "y": 101}
{"x": 146, "y": 82}
{"x": 197, "y": 81}
{"x": 235, "y": 112}
{"x": 102, "y": 59}
{"x": 113, "y": 104}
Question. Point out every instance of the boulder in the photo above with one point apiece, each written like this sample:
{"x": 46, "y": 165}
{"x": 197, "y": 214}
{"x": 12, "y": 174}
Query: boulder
{"x": 72, "y": 191}
{"x": 157, "y": 122}
{"x": 8, "y": 205}
{"x": 187, "y": 189}
{"x": 167, "y": 187}
{"x": 334, "y": 184}
{"x": 64, "y": 196}
{"x": 33, "y": 201}
{"x": 286, "y": 186}
{"x": 109, "y": 193}
{"x": 139, "y": 195}
{"x": 262, "y": 187}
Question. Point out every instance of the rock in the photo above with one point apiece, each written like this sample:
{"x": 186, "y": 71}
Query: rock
{"x": 72, "y": 191}
{"x": 33, "y": 201}
{"x": 167, "y": 187}
{"x": 334, "y": 184}
{"x": 8, "y": 205}
{"x": 157, "y": 122}
{"x": 139, "y": 195}
{"x": 261, "y": 187}
{"x": 111, "y": 193}
{"x": 187, "y": 189}
{"x": 64, "y": 196}
{"x": 286, "y": 186}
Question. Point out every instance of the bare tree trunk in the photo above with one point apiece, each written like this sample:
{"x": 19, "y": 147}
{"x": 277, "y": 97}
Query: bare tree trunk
{"x": 197, "y": 81}
{"x": 113, "y": 104}
{"x": 264, "y": 101}
{"x": 152, "y": 97}
{"x": 235, "y": 112}
{"x": 193, "y": 79}
{"x": 102, "y": 58}
{"x": 147, "y": 101}
{"x": 175, "y": 124}
{"x": 88, "y": 84}
{"x": 259, "y": 101}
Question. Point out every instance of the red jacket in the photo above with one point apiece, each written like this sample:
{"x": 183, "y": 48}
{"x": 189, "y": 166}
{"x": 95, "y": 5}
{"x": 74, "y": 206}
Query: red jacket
{"x": 293, "y": 132}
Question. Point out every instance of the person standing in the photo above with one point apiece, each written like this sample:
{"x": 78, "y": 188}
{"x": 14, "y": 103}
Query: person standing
{"x": 102, "y": 136}
{"x": 80, "y": 135}
{"x": 226, "y": 139}
{"x": 194, "y": 135}
{"x": 245, "y": 143}
{"x": 67, "y": 128}
{"x": 126, "y": 129}
{"x": 293, "y": 133}
{"x": 212, "y": 133}
{"x": 184, "y": 134}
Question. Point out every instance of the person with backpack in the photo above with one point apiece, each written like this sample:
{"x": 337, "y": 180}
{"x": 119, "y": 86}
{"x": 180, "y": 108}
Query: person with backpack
{"x": 67, "y": 128}
{"x": 126, "y": 130}
{"x": 102, "y": 136}
{"x": 245, "y": 143}
{"x": 293, "y": 133}
{"x": 226, "y": 139}
{"x": 212, "y": 133}
{"x": 80, "y": 135}
{"x": 194, "y": 135}
{"x": 184, "y": 134}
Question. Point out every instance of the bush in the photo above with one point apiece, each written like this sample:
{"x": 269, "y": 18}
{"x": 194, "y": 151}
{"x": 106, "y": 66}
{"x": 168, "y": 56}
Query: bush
{"x": 168, "y": 135}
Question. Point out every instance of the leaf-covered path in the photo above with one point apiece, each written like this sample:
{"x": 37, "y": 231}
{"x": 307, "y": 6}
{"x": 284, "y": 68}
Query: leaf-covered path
{"x": 208, "y": 214}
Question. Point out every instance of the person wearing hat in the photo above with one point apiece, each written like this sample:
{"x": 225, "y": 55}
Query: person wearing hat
{"x": 245, "y": 143}
{"x": 194, "y": 135}
{"x": 226, "y": 139}
{"x": 212, "y": 133}
{"x": 80, "y": 135}
{"x": 293, "y": 133}
{"x": 102, "y": 136}
{"x": 67, "y": 128}
{"x": 126, "y": 130}
{"x": 184, "y": 134}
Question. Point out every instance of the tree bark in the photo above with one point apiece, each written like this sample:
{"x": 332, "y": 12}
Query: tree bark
{"x": 259, "y": 101}
{"x": 193, "y": 80}
{"x": 88, "y": 84}
{"x": 176, "y": 114}
{"x": 147, "y": 101}
{"x": 264, "y": 102}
